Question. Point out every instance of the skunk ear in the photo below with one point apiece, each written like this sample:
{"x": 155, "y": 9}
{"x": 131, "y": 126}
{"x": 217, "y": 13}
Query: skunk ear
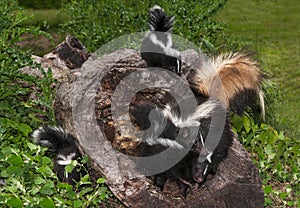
{"x": 240, "y": 78}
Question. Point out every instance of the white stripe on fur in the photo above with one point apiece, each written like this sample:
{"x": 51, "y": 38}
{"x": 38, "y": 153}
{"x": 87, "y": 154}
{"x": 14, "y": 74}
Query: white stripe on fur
{"x": 204, "y": 110}
{"x": 164, "y": 142}
{"x": 66, "y": 160}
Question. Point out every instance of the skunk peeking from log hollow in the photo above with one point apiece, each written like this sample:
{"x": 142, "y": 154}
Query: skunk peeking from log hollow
{"x": 157, "y": 47}
{"x": 63, "y": 145}
{"x": 169, "y": 128}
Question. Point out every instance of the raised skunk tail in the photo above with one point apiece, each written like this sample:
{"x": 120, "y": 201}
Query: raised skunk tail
{"x": 63, "y": 144}
{"x": 157, "y": 47}
{"x": 240, "y": 78}
{"x": 159, "y": 20}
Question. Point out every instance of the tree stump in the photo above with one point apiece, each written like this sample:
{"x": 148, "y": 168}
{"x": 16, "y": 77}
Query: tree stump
{"x": 84, "y": 106}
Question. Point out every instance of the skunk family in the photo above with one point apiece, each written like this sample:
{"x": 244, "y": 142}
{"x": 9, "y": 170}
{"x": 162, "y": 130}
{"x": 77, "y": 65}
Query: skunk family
{"x": 157, "y": 47}
{"x": 232, "y": 78}
{"x": 63, "y": 145}
{"x": 232, "y": 81}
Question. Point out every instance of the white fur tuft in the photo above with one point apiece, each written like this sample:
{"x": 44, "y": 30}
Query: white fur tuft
{"x": 204, "y": 110}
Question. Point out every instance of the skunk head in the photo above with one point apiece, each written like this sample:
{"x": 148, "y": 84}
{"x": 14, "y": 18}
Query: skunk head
{"x": 201, "y": 168}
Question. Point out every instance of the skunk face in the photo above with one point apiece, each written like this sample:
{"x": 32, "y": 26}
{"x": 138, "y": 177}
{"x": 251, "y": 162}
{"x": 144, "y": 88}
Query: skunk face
{"x": 157, "y": 47}
{"x": 63, "y": 159}
{"x": 200, "y": 170}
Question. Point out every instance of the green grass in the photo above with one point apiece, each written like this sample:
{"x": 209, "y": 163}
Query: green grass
{"x": 272, "y": 28}
{"x": 48, "y": 19}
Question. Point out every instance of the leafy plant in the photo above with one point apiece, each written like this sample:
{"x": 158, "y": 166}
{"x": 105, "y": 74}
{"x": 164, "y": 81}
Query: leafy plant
{"x": 26, "y": 176}
{"x": 276, "y": 156}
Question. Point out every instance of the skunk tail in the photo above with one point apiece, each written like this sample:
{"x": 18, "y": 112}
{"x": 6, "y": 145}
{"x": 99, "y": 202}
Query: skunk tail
{"x": 240, "y": 77}
{"x": 159, "y": 20}
{"x": 56, "y": 138}
{"x": 157, "y": 47}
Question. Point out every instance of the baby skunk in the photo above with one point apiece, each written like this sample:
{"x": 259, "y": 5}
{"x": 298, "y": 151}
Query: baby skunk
{"x": 170, "y": 129}
{"x": 63, "y": 144}
{"x": 156, "y": 48}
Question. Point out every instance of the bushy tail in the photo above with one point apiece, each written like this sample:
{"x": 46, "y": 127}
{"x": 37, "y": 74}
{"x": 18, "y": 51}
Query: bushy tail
{"x": 56, "y": 138}
{"x": 159, "y": 20}
{"x": 157, "y": 47}
{"x": 240, "y": 78}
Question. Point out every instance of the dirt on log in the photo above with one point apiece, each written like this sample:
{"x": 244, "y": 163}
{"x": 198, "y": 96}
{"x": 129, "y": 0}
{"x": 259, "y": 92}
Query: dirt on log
{"x": 85, "y": 103}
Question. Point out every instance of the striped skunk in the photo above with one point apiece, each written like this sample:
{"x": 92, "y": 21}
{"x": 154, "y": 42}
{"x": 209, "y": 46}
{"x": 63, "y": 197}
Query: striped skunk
{"x": 200, "y": 161}
{"x": 157, "y": 47}
{"x": 63, "y": 145}
{"x": 239, "y": 76}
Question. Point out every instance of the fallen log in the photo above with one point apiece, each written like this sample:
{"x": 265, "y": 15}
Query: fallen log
{"x": 85, "y": 103}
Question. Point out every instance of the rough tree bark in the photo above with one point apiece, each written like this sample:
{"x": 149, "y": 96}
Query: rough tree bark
{"x": 83, "y": 105}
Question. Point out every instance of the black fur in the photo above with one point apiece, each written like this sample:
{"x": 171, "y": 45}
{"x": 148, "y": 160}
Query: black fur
{"x": 243, "y": 99}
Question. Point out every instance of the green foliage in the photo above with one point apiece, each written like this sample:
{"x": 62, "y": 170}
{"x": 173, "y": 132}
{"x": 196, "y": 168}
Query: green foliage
{"x": 97, "y": 22}
{"x": 42, "y": 4}
{"x": 30, "y": 181}
{"x": 276, "y": 156}
{"x": 26, "y": 176}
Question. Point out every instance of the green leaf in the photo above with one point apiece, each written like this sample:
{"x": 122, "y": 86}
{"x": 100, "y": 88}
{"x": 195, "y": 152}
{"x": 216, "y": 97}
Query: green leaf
{"x": 7, "y": 150}
{"x": 32, "y": 146}
{"x": 69, "y": 168}
{"x": 101, "y": 180}
{"x": 77, "y": 203}
{"x": 86, "y": 190}
{"x": 39, "y": 180}
{"x": 46, "y": 203}
{"x": 46, "y": 160}
{"x": 247, "y": 123}
{"x": 85, "y": 159}
{"x": 14, "y": 202}
{"x": 268, "y": 189}
{"x": 15, "y": 160}
{"x": 24, "y": 128}
{"x": 34, "y": 190}
{"x": 14, "y": 170}
{"x": 45, "y": 170}
{"x": 46, "y": 189}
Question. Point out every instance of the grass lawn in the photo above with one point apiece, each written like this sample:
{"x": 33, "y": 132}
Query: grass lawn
{"x": 273, "y": 30}
{"x": 48, "y": 19}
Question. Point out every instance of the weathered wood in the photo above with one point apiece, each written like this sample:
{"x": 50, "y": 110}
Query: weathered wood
{"x": 83, "y": 106}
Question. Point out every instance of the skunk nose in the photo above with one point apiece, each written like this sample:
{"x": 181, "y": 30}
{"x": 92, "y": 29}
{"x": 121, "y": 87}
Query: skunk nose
{"x": 198, "y": 178}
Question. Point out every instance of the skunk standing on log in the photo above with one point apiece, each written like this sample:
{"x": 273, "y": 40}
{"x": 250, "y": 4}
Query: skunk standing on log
{"x": 63, "y": 144}
{"x": 156, "y": 48}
